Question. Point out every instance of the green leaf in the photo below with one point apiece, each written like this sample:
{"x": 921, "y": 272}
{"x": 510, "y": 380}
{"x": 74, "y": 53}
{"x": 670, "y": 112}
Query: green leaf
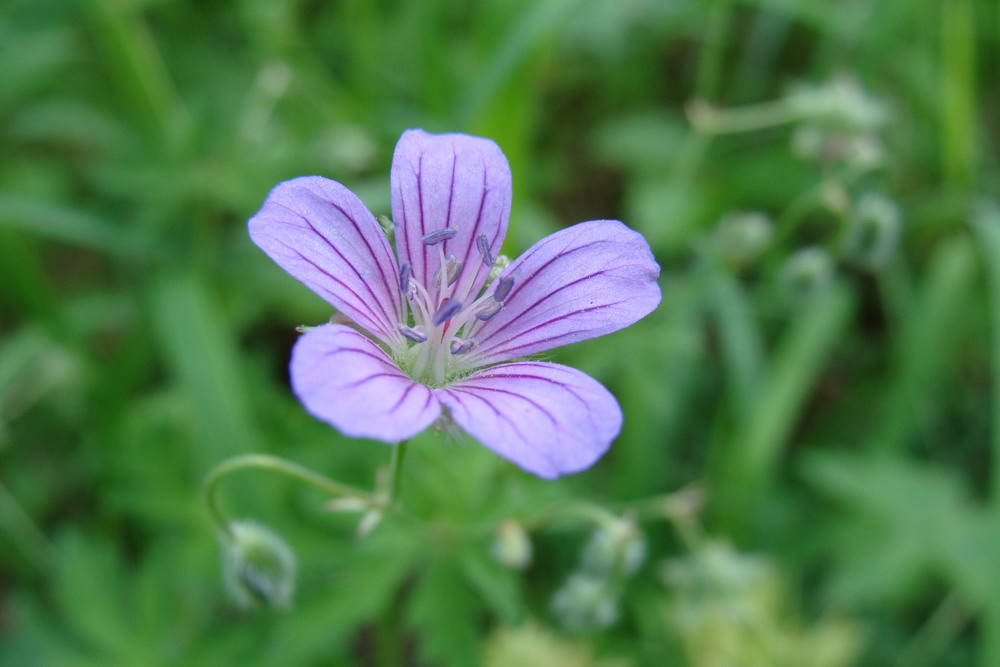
{"x": 445, "y": 614}
{"x": 498, "y": 586}
{"x": 906, "y": 522}
{"x": 86, "y": 588}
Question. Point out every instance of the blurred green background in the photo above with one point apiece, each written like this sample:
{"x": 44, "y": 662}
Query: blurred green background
{"x": 816, "y": 396}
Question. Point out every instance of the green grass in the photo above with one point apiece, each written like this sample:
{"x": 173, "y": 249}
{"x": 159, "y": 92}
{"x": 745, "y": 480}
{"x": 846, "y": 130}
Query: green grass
{"x": 811, "y": 447}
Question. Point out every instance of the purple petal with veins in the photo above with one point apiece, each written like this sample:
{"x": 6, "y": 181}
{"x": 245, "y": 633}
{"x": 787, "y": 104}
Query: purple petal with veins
{"x": 584, "y": 281}
{"x": 454, "y": 181}
{"x": 346, "y": 380}
{"x": 547, "y": 418}
{"x": 321, "y": 233}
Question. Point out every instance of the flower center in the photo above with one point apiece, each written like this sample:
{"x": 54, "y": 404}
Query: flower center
{"x": 441, "y": 329}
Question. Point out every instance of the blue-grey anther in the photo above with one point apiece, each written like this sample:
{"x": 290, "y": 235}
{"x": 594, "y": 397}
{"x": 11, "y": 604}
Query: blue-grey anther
{"x": 483, "y": 244}
{"x": 489, "y": 310}
{"x": 440, "y": 235}
{"x": 454, "y": 268}
{"x": 447, "y": 311}
{"x": 404, "y": 277}
{"x": 462, "y": 346}
{"x": 412, "y": 334}
{"x": 504, "y": 286}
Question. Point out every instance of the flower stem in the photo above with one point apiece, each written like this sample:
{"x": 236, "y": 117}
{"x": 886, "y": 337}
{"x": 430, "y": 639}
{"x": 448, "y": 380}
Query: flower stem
{"x": 209, "y": 491}
{"x": 393, "y": 481}
{"x": 571, "y": 510}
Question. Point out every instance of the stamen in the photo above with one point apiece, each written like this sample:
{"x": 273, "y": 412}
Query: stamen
{"x": 412, "y": 334}
{"x": 483, "y": 244}
{"x": 504, "y": 286}
{"x": 404, "y": 278}
{"x": 447, "y": 310}
{"x": 462, "y": 346}
{"x": 489, "y": 310}
{"x": 453, "y": 266}
{"x": 440, "y": 235}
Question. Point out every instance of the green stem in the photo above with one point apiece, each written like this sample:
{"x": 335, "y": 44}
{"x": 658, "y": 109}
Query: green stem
{"x": 713, "y": 51}
{"x": 275, "y": 464}
{"x": 23, "y": 531}
{"x": 940, "y": 629}
{"x": 571, "y": 510}
{"x": 711, "y": 120}
{"x": 395, "y": 465}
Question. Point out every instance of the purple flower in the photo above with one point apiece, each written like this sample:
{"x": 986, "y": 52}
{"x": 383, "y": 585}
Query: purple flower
{"x": 437, "y": 335}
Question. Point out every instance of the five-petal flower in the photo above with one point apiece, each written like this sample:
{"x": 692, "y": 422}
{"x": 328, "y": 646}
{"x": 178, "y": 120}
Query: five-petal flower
{"x": 439, "y": 336}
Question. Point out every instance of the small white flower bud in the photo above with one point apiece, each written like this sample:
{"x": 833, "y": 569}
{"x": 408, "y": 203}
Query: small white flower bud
{"x": 586, "y": 602}
{"x": 742, "y": 236}
{"x": 512, "y": 546}
{"x": 615, "y": 551}
{"x": 806, "y": 273}
{"x": 873, "y": 230}
{"x": 258, "y": 566}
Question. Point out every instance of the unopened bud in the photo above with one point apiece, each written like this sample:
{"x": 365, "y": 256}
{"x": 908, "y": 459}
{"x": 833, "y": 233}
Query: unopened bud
{"x": 586, "y": 602}
{"x": 512, "y": 546}
{"x": 873, "y": 230}
{"x": 259, "y": 567}
{"x": 806, "y": 272}
{"x": 615, "y": 551}
{"x": 742, "y": 236}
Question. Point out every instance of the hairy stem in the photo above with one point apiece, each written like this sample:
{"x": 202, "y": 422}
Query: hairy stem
{"x": 209, "y": 490}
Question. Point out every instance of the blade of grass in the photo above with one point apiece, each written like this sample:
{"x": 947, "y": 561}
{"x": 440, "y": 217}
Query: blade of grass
{"x": 201, "y": 353}
{"x": 139, "y": 73}
{"x": 764, "y": 431}
{"x": 25, "y": 288}
{"x": 959, "y": 116}
{"x": 525, "y": 39}
{"x": 987, "y": 227}
{"x": 56, "y": 222}
{"x": 927, "y": 341}
{"x": 740, "y": 337}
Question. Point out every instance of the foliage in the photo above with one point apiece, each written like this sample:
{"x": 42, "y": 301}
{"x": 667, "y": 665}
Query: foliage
{"x": 811, "y": 451}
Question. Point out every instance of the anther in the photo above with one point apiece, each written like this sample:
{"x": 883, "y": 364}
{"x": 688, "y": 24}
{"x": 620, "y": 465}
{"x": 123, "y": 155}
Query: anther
{"x": 462, "y": 346}
{"x": 447, "y": 310}
{"x": 489, "y": 310}
{"x": 483, "y": 244}
{"x": 453, "y": 266}
{"x": 412, "y": 334}
{"x": 504, "y": 286}
{"x": 404, "y": 278}
{"x": 440, "y": 235}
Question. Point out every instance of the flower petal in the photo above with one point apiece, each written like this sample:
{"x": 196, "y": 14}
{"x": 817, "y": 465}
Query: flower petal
{"x": 547, "y": 418}
{"x": 321, "y": 233}
{"x": 346, "y": 380}
{"x": 449, "y": 181}
{"x": 581, "y": 282}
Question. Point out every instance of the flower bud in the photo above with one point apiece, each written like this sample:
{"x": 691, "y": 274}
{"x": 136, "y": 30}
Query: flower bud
{"x": 741, "y": 237}
{"x": 805, "y": 273}
{"x": 511, "y": 545}
{"x": 258, "y": 566}
{"x": 586, "y": 602}
{"x": 615, "y": 551}
{"x": 873, "y": 230}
